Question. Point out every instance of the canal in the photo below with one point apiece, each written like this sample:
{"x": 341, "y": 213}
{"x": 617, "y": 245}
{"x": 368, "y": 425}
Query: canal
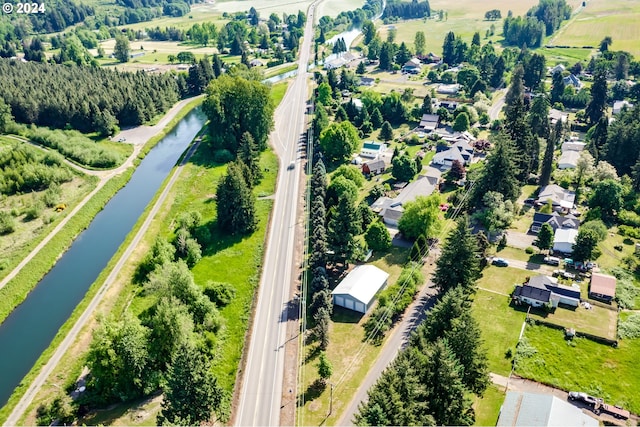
{"x": 31, "y": 327}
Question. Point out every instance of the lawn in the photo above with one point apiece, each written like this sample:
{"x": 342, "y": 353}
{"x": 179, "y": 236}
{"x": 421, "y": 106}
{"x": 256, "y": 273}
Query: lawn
{"x": 610, "y": 256}
{"x": 487, "y": 407}
{"x": 520, "y": 255}
{"x": 502, "y": 279}
{"x": 500, "y": 325}
{"x": 277, "y": 92}
{"x": 584, "y": 365}
{"x": 598, "y": 321}
{"x": 615, "y": 18}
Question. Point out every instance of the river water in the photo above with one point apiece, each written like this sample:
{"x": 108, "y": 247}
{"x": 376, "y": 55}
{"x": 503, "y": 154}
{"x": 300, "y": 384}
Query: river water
{"x": 31, "y": 327}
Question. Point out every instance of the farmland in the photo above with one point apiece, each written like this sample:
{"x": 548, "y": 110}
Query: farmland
{"x": 616, "y": 18}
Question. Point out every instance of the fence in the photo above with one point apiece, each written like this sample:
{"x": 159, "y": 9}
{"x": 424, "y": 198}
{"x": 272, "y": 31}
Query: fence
{"x": 580, "y": 334}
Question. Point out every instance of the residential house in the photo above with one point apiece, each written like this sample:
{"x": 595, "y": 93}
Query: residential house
{"x": 429, "y": 122}
{"x": 557, "y": 69}
{"x": 460, "y": 151}
{"x": 573, "y": 145}
{"x": 568, "y": 159}
{"x": 372, "y": 149}
{"x": 373, "y": 167}
{"x": 391, "y": 209}
{"x": 358, "y": 289}
{"x": 619, "y": 105}
{"x": 412, "y": 66}
{"x": 556, "y": 116}
{"x": 561, "y": 199}
{"x": 555, "y": 220}
{"x": 342, "y": 60}
{"x": 572, "y": 80}
{"x": 453, "y": 137}
{"x": 602, "y": 287}
{"x": 541, "y": 290}
{"x": 256, "y": 63}
{"x": 564, "y": 239}
{"x": 429, "y": 58}
{"x": 451, "y": 89}
{"x": 367, "y": 81}
{"x": 541, "y": 410}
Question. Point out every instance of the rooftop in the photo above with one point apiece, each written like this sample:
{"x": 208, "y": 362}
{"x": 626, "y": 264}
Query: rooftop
{"x": 362, "y": 283}
{"x": 541, "y": 410}
{"x": 603, "y": 284}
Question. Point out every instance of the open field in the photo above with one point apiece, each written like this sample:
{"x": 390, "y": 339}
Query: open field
{"x": 204, "y": 12}
{"x": 264, "y": 7}
{"x": 616, "y": 18}
{"x": 500, "y": 326}
{"x": 584, "y": 365}
{"x": 333, "y": 7}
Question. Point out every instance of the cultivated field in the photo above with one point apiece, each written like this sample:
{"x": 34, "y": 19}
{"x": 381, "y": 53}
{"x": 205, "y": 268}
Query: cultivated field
{"x": 619, "y": 19}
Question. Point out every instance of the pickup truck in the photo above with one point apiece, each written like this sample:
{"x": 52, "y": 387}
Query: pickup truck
{"x": 584, "y": 397}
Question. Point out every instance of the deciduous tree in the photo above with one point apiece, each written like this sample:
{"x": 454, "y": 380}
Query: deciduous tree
{"x": 421, "y": 217}
{"x": 378, "y": 237}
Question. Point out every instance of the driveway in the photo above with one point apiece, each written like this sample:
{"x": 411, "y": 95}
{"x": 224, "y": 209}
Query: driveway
{"x": 520, "y": 240}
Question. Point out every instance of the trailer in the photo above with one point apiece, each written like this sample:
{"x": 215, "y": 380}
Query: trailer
{"x": 612, "y": 410}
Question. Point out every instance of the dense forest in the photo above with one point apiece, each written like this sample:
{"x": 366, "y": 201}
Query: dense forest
{"x": 85, "y": 98}
{"x": 58, "y": 15}
{"x": 407, "y": 10}
{"x": 540, "y": 21}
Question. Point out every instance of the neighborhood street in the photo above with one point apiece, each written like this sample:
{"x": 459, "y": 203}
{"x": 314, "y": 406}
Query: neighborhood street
{"x": 262, "y": 375}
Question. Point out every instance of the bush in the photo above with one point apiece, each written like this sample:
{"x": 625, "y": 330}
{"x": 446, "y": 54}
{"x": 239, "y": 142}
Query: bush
{"x": 219, "y": 293}
{"x": 626, "y": 230}
{"x": 630, "y": 327}
{"x": 34, "y": 211}
{"x": 7, "y": 223}
{"x": 529, "y": 250}
{"x": 51, "y": 196}
{"x": 629, "y": 218}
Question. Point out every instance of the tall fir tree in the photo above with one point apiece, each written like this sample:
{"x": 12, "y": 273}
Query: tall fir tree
{"x": 500, "y": 172}
{"x": 249, "y": 154}
{"x": 598, "y": 103}
{"x": 344, "y": 226}
{"x": 235, "y": 202}
{"x": 458, "y": 265}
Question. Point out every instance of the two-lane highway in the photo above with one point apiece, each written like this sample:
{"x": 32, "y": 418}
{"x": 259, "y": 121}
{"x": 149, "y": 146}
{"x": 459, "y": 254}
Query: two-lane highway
{"x": 261, "y": 391}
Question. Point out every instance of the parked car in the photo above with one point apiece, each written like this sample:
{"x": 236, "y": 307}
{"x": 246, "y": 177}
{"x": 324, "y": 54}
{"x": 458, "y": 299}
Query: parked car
{"x": 563, "y": 273}
{"x": 499, "y": 262}
{"x": 530, "y": 201}
{"x": 584, "y": 397}
{"x": 551, "y": 260}
{"x": 292, "y": 165}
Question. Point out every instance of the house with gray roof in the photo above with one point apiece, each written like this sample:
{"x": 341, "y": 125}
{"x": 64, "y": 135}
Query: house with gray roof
{"x": 391, "y": 209}
{"x": 541, "y": 410}
{"x": 555, "y": 220}
{"x": 540, "y": 290}
{"x": 560, "y": 198}
{"x": 572, "y": 80}
{"x": 429, "y": 122}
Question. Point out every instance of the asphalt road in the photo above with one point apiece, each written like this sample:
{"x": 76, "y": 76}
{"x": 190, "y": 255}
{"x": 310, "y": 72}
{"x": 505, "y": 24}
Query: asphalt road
{"x": 396, "y": 341}
{"x": 261, "y": 392}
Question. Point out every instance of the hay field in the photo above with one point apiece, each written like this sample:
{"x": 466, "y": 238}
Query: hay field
{"x": 619, "y": 19}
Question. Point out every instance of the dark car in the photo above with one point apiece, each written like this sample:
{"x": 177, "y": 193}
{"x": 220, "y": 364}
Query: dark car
{"x": 499, "y": 262}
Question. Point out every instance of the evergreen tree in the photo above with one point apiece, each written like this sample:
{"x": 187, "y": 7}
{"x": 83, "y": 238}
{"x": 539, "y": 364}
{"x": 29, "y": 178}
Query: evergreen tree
{"x": 448, "y": 48}
{"x": 476, "y": 39}
{"x": 498, "y": 72}
{"x": 458, "y": 265}
{"x": 192, "y": 393}
{"x": 321, "y": 330}
{"x": 557, "y": 87}
{"x": 344, "y": 226}
{"x": 325, "y": 370}
{"x": 361, "y": 69}
{"x": 376, "y": 118}
{"x": 461, "y": 122}
{"x": 387, "y": 53}
{"x": 547, "y": 163}
{"x": 586, "y": 242}
{"x": 249, "y": 154}
{"x": 427, "y": 107}
{"x": 500, "y": 173}
{"x": 319, "y": 181}
{"x": 403, "y": 54}
{"x": 386, "y": 131}
{"x": 539, "y": 116}
{"x": 235, "y": 202}
{"x": 596, "y": 106}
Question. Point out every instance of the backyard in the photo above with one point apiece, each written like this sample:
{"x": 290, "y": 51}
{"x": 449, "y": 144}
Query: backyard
{"x": 582, "y": 365}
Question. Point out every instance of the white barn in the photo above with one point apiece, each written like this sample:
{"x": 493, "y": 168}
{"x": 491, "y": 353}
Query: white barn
{"x": 357, "y": 290}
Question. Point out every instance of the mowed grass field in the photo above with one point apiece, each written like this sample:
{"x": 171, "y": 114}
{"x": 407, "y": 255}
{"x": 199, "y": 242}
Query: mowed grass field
{"x": 619, "y": 19}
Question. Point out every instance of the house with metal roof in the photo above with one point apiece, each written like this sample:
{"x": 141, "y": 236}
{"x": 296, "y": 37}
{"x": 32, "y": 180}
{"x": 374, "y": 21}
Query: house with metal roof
{"x": 541, "y": 410}
{"x": 372, "y": 149}
{"x": 564, "y": 239}
{"x": 358, "y": 289}
{"x": 429, "y": 122}
{"x": 602, "y": 287}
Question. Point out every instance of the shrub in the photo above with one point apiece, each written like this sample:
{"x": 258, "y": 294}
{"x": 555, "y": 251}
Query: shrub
{"x": 219, "y": 293}
{"x": 7, "y": 223}
{"x": 629, "y": 231}
{"x": 630, "y": 327}
{"x": 529, "y": 250}
{"x": 629, "y": 218}
{"x": 34, "y": 211}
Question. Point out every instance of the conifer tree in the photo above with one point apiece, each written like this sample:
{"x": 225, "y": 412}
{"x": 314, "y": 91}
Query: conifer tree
{"x": 500, "y": 173}
{"x": 249, "y": 154}
{"x": 458, "y": 265}
{"x": 344, "y": 226}
{"x": 235, "y": 202}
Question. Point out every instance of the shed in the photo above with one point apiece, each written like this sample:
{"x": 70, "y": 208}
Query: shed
{"x": 373, "y": 167}
{"x": 602, "y": 287}
{"x": 541, "y": 410}
{"x": 357, "y": 290}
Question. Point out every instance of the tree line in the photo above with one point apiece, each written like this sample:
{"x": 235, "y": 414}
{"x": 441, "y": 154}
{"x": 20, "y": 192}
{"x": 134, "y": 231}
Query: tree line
{"x": 407, "y": 10}
{"x": 540, "y": 21}
{"x": 85, "y": 98}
